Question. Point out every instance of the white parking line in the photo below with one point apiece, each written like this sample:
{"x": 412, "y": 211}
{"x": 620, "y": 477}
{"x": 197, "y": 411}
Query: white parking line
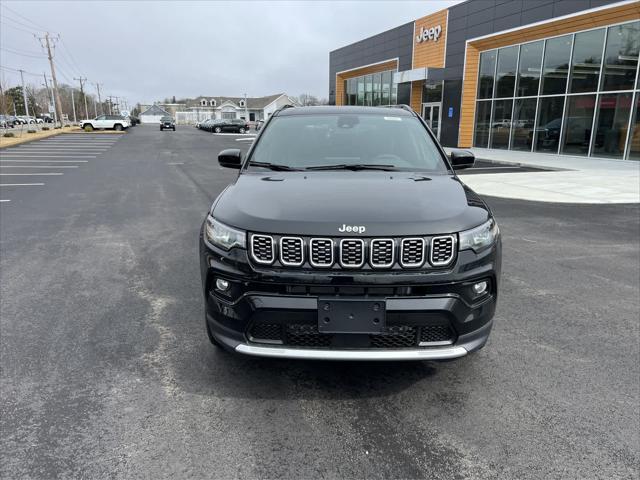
{"x": 27, "y": 174}
{"x": 42, "y": 161}
{"x": 492, "y": 168}
{"x": 1, "y": 201}
{"x": 20, "y": 184}
{"x": 38, "y": 166}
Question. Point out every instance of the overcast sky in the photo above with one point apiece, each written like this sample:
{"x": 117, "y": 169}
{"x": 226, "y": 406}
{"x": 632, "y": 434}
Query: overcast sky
{"x": 146, "y": 50}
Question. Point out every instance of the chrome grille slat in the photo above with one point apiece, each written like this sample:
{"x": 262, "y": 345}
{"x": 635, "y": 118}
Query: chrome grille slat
{"x": 321, "y": 252}
{"x": 412, "y": 252}
{"x": 382, "y": 252}
{"x": 291, "y": 251}
{"x": 263, "y": 249}
{"x": 351, "y": 252}
{"x": 443, "y": 250}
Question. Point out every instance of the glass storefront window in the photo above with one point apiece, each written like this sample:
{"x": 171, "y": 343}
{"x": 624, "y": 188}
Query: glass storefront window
{"x": 556, "y": 65}
{"x": 501, "y": 124}
{"x": 360, "y": 99}
{"x": 529, "y": 69}
{"x": 547, "y": 134}
{"x": 586, "y": 61}
{"x": 621, "y": 57}
{"x": 368, "y": 89}
{"x": 377, "y": 88}
{"x": 485, "y": 75}
{"x": 577, "y": 124}
{"x": 483, "y": 118}
{"x": 611, "y": 125}
{"x": 634, "y": 138}
{"x": 524, "y": 116}
{"x": 506, "y": 72}
{"x": 386, "y": 87}
{"x": 432, "y": 92}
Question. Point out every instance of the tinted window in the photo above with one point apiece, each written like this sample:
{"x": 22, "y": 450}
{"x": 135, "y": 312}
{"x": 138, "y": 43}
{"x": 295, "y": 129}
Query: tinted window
{"x": 483, "y": 117}
{"x": 303, "y": 141}
{"x": 621, "y": 57}
{"x": 577, "y": 125}
{"x": 611, "y": 125}
{"x": 556, "y": 65}
{"x": 524, "y": 115}
{"x": 549, "y": 123}
{"x": 486, "y": 73}
{"x": 501, "y": 125}
{"x": 634, "y": 139}
{"x": 529, "y": 69}
{"x": 586, "y": 61}
{"x": 506, "y": 73}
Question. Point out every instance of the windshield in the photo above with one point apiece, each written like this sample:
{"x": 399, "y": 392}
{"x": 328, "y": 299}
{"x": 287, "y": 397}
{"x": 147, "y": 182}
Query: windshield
{"x": 167, "y": 119}
{"x": 304, "y": 141}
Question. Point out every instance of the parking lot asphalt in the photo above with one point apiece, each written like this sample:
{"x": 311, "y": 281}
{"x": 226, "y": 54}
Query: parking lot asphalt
{"x": 107, "y": 371}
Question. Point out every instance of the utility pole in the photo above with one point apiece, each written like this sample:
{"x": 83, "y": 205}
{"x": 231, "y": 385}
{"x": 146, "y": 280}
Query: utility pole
{"x": 46, "y": 85}
{"x": 99, "y": 99}
{"x": 95, "y": 106}
{"x": 86, "y": 109}
{"x": 24, "y": 94}
{"x": 246, "y": 112}
{"x": 4, "y": 105}
{"x": 73, "y": 105}
{"x": 58, "y": 104}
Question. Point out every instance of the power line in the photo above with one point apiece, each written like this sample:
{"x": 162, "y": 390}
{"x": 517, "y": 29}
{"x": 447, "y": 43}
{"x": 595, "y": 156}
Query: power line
{"x": 24, "y": 18}
{"x": 18, "y": 70}
{"x": 30, "y": 32}
{"x": 4, "y": 16}
{"x": 68, "y": 53}
{"x": 9, "y": 50}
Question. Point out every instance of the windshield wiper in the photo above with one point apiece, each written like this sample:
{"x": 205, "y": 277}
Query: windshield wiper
{"x": 274, "y": 166}
{"x": 353, "y": 166}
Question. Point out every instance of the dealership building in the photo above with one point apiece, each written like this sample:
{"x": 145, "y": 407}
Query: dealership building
{"x": 548, "y": 76}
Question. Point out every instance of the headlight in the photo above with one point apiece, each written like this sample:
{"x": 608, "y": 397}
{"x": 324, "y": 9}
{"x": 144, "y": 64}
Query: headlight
{"x": 480, "y": 237}
{"x": 223, "y": 236}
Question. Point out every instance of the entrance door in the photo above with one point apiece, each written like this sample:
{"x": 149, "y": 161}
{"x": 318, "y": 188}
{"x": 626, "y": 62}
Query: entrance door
{"x": 431, "y": 115}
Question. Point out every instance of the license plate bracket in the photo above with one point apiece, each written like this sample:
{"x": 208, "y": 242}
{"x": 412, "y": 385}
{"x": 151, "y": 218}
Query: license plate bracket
{"x": 351, "y": 316}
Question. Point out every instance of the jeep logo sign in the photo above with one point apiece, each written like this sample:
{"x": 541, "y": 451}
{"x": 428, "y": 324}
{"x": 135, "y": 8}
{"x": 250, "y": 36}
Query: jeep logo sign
{"x": 352, "y": 228}
{"x": 427, "y": 34}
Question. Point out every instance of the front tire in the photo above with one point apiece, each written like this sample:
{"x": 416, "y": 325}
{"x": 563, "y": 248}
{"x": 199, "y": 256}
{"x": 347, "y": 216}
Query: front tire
{"x": 242, "y": 130}
{"x": 88, "y": 128}
{"x": 117, "y": 127}
{"x": 217, "y": 130}
{"x": 174, "y": 129}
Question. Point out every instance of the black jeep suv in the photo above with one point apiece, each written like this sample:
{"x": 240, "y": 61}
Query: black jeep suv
{"x": 348, "y": 236}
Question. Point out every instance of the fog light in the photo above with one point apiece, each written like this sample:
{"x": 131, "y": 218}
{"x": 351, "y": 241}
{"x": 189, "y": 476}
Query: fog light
{"x": 222, "y": 285}
{"x": 480, "y": 288}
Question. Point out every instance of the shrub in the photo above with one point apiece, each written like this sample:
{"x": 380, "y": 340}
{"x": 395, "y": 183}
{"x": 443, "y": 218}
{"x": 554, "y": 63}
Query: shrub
{"x": 9, "y": 134}
{"x": 45, "y": 128}
{"x": 57, "y": 126}
{"x": 31, "y": 130}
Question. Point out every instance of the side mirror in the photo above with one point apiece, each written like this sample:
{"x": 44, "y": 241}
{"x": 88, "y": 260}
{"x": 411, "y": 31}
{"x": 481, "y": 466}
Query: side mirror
{"x": 461, "y": 159}
{"x": 230, "y": 158}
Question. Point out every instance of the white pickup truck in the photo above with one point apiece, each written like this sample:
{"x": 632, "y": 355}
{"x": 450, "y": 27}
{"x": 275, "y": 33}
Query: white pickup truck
{"x": 115, "y": 122}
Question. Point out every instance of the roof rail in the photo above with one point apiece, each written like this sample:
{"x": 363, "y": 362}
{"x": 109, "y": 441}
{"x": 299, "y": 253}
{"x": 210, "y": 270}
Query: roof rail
{"x": 400, "y": 105}
{"x": 284, "y": 107}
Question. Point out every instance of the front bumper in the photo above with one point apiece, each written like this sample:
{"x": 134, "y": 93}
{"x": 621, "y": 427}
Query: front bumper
{"x": 419, "y": 305}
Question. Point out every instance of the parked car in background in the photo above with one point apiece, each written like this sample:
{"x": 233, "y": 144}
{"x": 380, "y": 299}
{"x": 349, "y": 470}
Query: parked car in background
{"x": 167, "y": 123}
{"x": 115, "y": 122}
{"x": 231, "y": 126}
{"x": 7, "y": 121}
{"x": 206, "y": 125}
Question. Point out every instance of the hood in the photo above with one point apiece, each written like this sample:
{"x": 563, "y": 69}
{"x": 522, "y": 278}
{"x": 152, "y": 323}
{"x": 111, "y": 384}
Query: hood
{"x": 321, "y": 203}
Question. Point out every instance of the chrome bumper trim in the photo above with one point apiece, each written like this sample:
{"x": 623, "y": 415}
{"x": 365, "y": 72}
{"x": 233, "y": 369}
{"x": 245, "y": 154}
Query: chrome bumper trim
{"x": 437, "y": 353}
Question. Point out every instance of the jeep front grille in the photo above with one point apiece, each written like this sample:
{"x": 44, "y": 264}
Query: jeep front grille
{"x": 412, "y": 252}
{"x": 292, "y": 251}
{"x": 263, "y": 249}
{"x": 442, "y": 250}
{"x": 353, "y": 253}
{"x": 382, "y": 252}
{"x": 321, "y": 252}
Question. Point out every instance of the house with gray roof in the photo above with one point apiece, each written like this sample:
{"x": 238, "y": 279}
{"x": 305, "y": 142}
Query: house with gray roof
{"x": 251, "y": 109}
{"x": 153, "y": 114}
